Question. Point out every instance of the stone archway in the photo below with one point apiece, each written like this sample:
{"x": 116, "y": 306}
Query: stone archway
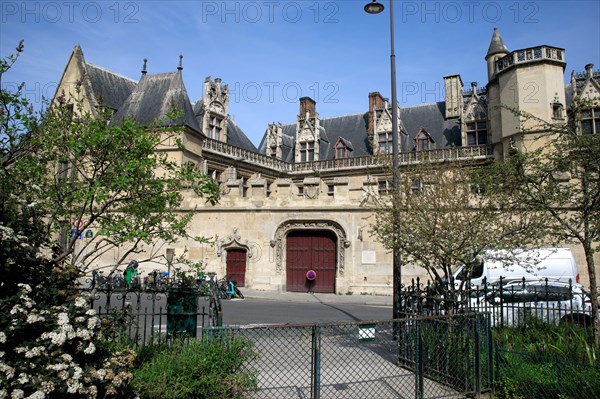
{"x": 278, "y": 242}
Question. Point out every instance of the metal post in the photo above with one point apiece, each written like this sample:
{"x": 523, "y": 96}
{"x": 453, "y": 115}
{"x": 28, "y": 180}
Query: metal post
{"x": 397, "y": 271}
{"x": 374, "y": 8}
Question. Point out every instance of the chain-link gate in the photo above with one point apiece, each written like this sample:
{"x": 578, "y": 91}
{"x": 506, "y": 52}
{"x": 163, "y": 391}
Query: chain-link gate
{"x": 436, "y": 357}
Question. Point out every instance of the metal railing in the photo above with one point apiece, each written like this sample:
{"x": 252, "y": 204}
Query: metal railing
{"x": 510, "y": 303}
{"x": 139, "y": 316}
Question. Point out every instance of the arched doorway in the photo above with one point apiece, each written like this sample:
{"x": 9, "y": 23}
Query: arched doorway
{"x": 311, "y": 250}
{"x": 236, "y": 265}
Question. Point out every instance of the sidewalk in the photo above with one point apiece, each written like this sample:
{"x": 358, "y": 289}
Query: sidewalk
{"x": 302, "y": 297}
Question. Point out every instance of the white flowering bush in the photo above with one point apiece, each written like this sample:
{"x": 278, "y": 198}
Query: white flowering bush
{"x": 48, "y": 352}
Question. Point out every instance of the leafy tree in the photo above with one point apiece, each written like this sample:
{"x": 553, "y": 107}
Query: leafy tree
{"x": 561, "y": 179}
{"x": 447, "y": 214}
{"x": 56, "y": 168}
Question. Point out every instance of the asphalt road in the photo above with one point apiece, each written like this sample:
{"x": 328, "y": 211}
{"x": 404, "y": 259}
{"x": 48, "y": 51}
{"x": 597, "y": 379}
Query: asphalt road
{"x": 267, "y": 311}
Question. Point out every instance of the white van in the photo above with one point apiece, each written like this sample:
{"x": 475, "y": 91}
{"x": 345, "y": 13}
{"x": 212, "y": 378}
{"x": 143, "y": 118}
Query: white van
{"x": 555, "y": 264}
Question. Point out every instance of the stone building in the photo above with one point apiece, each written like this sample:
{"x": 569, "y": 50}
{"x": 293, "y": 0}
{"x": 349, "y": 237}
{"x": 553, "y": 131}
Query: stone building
{"x": 296, "y": 202}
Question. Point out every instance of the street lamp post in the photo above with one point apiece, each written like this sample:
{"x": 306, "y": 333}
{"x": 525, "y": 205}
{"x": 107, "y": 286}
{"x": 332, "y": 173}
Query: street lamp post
{"x": 375, "y": 8}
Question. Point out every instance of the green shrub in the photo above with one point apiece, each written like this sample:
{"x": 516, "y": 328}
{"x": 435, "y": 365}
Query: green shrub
{"x": 505, "y": 389}
{"x": 196, "y": 369}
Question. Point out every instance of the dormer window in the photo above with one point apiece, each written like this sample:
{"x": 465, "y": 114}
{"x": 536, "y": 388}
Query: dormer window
{"x": 477, "y": 133}
{"x": 214, "y": 127}
{"x": 385, "y": 143}
{"x": 423, "y": 141}
{"x": 307, "y": 152}
{"x": 342, "y": 148}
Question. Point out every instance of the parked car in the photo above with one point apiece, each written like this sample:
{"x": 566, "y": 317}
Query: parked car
{"x": 513, "y": 301}
{"x": 555, "y": 264}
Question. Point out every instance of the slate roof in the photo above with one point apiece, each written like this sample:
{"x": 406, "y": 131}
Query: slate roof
{"x": 497, "y": 45}
{"x": 110, "y": 89}
{"x": 235, "y": 134}
{"x": 154, "y": 96}
{"x": 353, "y": 129}
{"x": 236, "y": 137}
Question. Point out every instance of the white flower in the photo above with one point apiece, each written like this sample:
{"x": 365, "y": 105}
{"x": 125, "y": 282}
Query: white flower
{"x": 63, "y": 319}
{"x": 3, "y": 337}
{"x": 16, "y": 309}
{"x": 17, "y": 394}
{"x": 91, "y": 312}
{"x": 34, "y": 318}
{"x": 37, "y": 395}
{"x": 7, "y": 370}
{"x": 34, "y": 352}
{"x": 81, "y": 302}
{"x": 24, "y": 287}
{"x": 47, "y": 386}
{"x": 23, "y": 378}
{"x": 90, "y": 349}
{"x": 73, "y": 386}
{"x": 92, "y": 323}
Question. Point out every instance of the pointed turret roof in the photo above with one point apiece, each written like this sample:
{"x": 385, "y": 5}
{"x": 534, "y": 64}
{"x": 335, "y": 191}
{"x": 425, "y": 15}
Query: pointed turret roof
{"x": 497, "y": 46}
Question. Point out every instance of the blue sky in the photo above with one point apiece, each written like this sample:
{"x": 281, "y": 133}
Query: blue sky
{"x": 271, "y": 53}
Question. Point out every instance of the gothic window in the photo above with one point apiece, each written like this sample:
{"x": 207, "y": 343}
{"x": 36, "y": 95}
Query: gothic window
{"x": 385, "y": 143}
{"x": 590, "y": 121}
{"x": 307, "y": 152}
{"x": 557, "y": 111}
{"x": 214, "y": 127}
{"x": 477, "y": 133}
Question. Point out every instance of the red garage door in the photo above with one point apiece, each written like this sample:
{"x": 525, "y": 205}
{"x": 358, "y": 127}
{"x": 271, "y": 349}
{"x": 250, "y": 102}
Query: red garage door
{"x": 311, "y": 250}
{"x": 236, "y": 265}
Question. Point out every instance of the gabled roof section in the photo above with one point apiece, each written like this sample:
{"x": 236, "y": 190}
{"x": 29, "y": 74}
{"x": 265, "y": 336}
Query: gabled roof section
{"x": 100, "y": 86}
{"x": 345, "y": 143}
{"x": 156, "y": 95}
{"x": 109, "y": 89}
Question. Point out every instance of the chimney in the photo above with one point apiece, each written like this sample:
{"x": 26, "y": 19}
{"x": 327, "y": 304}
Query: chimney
{"x": 589, "y": 68}
{"x": 454, "y": 100}
{"x": 307, "y": 105}
{"x": 375, "y": 102}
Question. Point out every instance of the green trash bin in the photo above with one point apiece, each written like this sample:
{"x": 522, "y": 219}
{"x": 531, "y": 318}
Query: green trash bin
{"x": 182, "y": 309}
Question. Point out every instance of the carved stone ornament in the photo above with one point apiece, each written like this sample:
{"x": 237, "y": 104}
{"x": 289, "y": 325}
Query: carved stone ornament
{"x": 233, "y": 241}
{"x": 286, "y": 227}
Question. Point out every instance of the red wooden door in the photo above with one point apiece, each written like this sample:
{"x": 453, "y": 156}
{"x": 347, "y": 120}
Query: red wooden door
{"x": 311, "y": 250}
{"x": 236, "y": 266}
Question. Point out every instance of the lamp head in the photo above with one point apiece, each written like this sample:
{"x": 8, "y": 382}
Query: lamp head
{"x": 374, "y": 7}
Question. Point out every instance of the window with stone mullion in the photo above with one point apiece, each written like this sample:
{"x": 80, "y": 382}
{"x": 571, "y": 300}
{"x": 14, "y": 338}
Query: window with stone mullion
{"x": 590, "y": 121}
{"x": 476, "y": 133}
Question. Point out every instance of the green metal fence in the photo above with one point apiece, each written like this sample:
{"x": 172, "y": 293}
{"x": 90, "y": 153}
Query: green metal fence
{"x": 380, "y": 359}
